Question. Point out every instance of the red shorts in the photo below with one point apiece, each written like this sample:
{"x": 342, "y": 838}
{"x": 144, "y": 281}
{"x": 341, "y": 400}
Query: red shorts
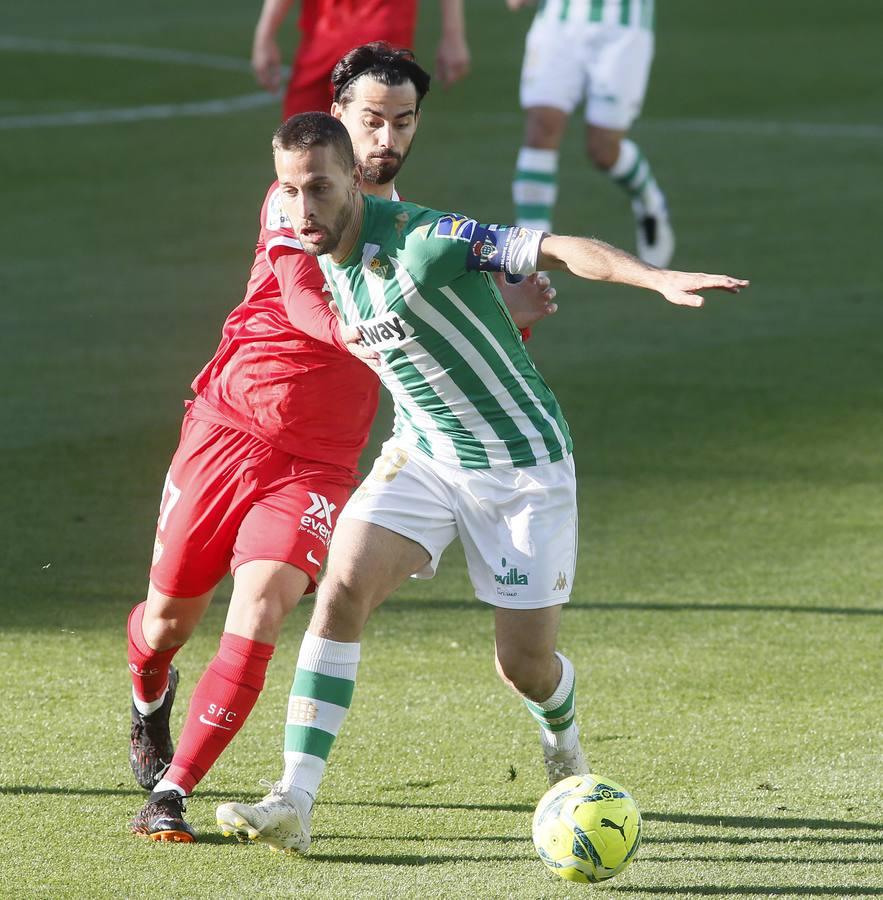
{"x": 230, "y": 498}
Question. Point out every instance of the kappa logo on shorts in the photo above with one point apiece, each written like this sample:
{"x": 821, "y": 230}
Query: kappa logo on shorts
{"x": 560, "y": 583}
{"x": 158, "y": 548}
{"x": 312, "y": 518}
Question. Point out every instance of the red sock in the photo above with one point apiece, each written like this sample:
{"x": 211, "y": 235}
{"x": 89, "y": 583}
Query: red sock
{"x": 221, "y": 702}
{"x": 149, "y": 667}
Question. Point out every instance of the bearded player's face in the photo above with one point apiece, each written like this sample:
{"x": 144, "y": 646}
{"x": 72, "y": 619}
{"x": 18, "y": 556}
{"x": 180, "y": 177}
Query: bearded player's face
{"x": 318, "y": 194}
{"x": 381, "y": 121}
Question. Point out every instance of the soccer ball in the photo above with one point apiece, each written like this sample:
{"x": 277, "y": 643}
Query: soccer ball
{"x": 587, "y": 828}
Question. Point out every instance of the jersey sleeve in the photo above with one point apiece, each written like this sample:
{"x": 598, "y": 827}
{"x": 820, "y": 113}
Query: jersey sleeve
{"x": 450, "y": 245}
{"x": 301, "y": 282}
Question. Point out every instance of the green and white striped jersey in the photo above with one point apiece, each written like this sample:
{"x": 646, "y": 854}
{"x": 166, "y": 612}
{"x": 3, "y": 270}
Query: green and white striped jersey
{"x": 630, "y": 13}
{"x": 465, "y": 391}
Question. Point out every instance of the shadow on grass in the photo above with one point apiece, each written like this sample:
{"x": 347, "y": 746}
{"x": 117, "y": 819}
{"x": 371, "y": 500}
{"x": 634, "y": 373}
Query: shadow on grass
{"x": 400, "y": 605}
{"x": 135, "y": 793}
{"x": 760, "y": 859}
{"x": 761, "y": 890}
{"x": 762, "y": 822}
{"x": 744, "y": 822}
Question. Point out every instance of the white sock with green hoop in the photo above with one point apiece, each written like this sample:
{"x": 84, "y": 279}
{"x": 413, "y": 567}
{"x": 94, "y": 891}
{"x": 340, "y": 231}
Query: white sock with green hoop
{"x": 320, "y": 699}
{"x": 556, "y": 715}
{"x": 535, "y": 188}
{"x": 633, "y": 174}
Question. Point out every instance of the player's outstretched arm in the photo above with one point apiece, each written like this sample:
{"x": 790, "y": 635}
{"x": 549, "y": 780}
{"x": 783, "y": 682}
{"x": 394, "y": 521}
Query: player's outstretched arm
{"x": 596, "y": 261}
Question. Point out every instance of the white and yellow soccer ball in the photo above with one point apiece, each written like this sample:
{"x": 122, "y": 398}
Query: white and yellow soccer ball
{"x": 587, "y": 828}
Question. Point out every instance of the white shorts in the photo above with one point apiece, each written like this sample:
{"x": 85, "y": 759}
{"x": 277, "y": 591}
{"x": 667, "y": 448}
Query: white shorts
{"x": 518, "y": 526}
{"x": 609, "y": 65}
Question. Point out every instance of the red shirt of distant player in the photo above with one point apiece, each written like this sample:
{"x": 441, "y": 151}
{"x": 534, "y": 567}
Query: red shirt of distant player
{"x": 281, "y": 371}
{"x": 330, "y": 29}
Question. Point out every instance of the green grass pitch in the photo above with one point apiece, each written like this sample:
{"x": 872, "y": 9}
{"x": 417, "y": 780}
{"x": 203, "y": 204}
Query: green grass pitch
{"x": 727, "y": 618}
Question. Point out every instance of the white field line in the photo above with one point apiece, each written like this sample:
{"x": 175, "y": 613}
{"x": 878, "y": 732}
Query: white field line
{"x": 754, "y": 127}
{"x": 217, "y": 107}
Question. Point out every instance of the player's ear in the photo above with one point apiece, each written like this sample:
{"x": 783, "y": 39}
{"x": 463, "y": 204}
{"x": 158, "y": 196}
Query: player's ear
{"x": 336, "y": 110}
{"x": 357, "y": 176}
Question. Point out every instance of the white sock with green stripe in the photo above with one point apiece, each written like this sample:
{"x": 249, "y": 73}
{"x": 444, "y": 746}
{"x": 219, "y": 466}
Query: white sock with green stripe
{"x": 633, "y": 174}
{"x": 320, "y": 699}
{"x": 556, "y": 715}
{"x": 535, "y": 188}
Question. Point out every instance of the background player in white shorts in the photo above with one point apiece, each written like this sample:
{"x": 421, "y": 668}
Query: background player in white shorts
{"x": 600, "y": 51}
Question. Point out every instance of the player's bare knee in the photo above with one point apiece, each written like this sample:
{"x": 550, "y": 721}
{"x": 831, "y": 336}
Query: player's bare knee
{"x": 602, "y": 147}
{"x": 343, "y": 604}
{"x": 529, "y": 675}
{"x": 544, "y": 128}
{"x": 169, "y": 621}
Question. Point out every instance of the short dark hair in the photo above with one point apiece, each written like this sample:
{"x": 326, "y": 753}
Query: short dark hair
{"x": 315, "y": 129}
{"x": 389, "y": 65}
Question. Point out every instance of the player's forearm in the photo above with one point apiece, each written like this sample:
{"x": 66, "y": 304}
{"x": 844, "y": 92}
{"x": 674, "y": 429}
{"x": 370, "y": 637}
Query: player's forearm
{"x": 596, "y": 261}
{"x": 452, "y": 20}
{"x": 273, "y": 14}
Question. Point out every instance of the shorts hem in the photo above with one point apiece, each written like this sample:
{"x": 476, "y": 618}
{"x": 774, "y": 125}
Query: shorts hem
{"x": 550, "y": 102}
{"x": 269, "y": 557}
{"x": 395, "y": 528}
{"x": 526, "y": 604}
{"x": 179, "y": 594}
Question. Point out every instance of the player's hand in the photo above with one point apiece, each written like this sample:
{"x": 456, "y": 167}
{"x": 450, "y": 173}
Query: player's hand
{"x": 518, "y": 4}
{"x": 452, "y": 59}
{"x": 266, "y": 63}
{"x": 529, "y": 300}
{"x": 352, "y": 337}
{"x": 682, "y": 288}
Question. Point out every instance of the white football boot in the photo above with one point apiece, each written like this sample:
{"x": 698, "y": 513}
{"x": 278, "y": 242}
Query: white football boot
{"x": 564, "y": 763}
{"x": 655, "y": 236}
{"x": 281, "y": 820}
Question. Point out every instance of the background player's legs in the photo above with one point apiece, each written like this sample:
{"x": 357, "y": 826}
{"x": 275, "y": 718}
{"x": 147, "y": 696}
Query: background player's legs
{"x": 618, "y": 64}
{"x": 264, "y": 592}
{"x": 366, "y": 563}
{"x": 526, "y": 661}
{"x": 535, "y": 186}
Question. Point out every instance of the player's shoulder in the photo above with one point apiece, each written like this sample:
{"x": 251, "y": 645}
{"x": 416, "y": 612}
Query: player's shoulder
{"x": 413, "y": 221}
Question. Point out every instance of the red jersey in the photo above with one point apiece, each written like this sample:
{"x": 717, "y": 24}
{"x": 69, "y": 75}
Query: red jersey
{"x": 331, "y": 27}
{"x": 282, "y": 371}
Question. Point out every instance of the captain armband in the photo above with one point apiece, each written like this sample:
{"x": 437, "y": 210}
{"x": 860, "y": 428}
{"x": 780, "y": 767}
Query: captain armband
{"x": 503, "y": 248}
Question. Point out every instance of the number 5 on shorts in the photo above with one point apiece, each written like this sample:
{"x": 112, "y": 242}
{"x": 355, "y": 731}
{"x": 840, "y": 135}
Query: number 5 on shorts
{"x": 170, "y": 496}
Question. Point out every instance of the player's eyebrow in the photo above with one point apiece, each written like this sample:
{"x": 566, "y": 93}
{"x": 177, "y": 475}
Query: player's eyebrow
{"x": 374, "y": 112}
{"x": 309, "y": 182}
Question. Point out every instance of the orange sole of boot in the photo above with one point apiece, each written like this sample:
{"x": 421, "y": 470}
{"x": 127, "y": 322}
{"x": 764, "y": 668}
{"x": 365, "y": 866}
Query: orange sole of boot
{"x": 180, "y": 837}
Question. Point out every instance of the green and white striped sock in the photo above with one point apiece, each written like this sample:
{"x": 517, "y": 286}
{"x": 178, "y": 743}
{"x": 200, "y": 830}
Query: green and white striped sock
{"x": 535, "y": 188}
{"x": 556, "y": 715}
{"x": 633, "y": 174}
{"x": 320, "y": 699}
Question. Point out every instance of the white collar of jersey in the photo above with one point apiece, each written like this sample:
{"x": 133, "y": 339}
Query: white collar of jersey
{"x": 395, "y": 195}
